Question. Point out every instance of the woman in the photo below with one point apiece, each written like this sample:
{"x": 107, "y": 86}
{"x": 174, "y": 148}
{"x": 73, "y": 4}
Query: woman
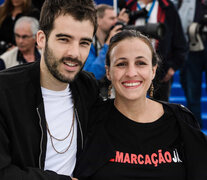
{"x": 10, "y": 11}
{"x": 136, "y": 137}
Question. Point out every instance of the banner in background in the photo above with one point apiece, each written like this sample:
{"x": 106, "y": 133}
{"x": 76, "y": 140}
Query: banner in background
{"x": 110, "y": 2}
{"x": 1, "y": 1}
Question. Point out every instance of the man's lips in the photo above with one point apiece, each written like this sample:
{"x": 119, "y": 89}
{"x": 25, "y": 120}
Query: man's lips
{"x": 71, "y": 64}
{"x": 71, "y": 61}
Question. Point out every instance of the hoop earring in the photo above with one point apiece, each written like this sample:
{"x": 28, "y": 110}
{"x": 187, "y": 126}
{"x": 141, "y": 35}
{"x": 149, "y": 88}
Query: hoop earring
{"x": 151, "y": 91}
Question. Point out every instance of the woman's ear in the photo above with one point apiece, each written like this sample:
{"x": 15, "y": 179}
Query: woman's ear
{"x": 107, "y": 73}
{"x": 154, "y": 69}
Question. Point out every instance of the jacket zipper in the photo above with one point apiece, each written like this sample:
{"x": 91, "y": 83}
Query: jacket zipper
{"x": 76, "y": 115}
{"x": 40, "y": 119}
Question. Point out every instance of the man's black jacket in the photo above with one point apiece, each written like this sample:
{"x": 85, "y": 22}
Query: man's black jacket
{"x": 23, "y": 135}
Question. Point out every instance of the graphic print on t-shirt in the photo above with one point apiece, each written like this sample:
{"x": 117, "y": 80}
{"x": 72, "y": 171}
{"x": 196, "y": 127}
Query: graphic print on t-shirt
{"x": 156, "y": 158}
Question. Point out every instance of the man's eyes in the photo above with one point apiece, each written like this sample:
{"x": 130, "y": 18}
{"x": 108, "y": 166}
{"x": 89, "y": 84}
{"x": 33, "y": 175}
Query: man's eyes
{"x": 63, "y": 39}
{"x": 66, "y": 40}
{"x": 140, "y": 63}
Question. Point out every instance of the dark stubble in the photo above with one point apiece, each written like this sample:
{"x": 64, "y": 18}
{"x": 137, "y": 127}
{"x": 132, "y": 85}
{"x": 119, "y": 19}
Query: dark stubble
{"x": 52, "y": 63}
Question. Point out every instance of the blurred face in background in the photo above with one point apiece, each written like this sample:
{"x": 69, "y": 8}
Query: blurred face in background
{"x": 107, "y": 21}
{"x": 17, "y": 3}
{"x": 24, "y": 37}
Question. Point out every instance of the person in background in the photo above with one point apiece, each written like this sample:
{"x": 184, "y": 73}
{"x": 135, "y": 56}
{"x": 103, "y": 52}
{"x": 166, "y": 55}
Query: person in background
{"x": 193, "y": 16}
{"x": 44, "y": 105}
{"x": 25, "y": 31}
{"x": 10, "y": 11}
{"x": 106, "y": 19}
{"x": 136, "y": 137}
{"x": 38, "y": 3}
{"x": 172, "y": 47}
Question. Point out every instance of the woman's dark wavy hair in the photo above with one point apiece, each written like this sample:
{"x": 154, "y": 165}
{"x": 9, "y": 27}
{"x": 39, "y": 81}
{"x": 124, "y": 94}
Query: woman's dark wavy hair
{"x": 78, "y": 9}
{"x": 7, "y": 7}
{"x": 129, "y": 34}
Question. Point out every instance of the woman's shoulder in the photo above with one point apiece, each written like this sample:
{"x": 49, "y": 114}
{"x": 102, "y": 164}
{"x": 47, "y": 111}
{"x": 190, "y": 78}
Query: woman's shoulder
{"x": 182, "y": 113}
{"x": 103, "y": 106}
{"x": 101, "y": 110}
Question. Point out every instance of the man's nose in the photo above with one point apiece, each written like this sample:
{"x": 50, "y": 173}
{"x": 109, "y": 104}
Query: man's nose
{"x": 115, "y": 21}
{"x": 73, "y": 50}
{"x": 19, "y": 40}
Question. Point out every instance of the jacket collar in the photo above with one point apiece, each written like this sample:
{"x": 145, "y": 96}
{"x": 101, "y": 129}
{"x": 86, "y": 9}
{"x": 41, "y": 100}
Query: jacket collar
{"x": 133, "y": 4}
{"x": 163, "y": 3}
{"x": 34, "y": 73}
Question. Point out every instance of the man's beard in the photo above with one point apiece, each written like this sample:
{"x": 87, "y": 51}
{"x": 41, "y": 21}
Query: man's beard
{"x": 52, "y": 64}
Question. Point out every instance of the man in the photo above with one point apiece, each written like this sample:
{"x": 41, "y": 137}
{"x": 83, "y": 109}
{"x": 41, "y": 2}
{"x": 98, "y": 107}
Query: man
{"x": 44, "y": 105}
{"x": 193, "y": 14}
{"x": 172, "y": 47}
{"x": 106, "y": 18}
{"x": 25, "y": 31}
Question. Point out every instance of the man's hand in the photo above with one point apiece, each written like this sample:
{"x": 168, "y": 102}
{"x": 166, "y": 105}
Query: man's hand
{"x": 169, "y": 75}
{"x": 115, "y": 30}
{"x": 74, "y": 179}
{"x": 123, "y": 16}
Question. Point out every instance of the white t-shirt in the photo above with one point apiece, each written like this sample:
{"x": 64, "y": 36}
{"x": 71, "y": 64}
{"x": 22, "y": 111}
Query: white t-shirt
{"x": 153, "y": 15}
{"x": 59, "y": 114}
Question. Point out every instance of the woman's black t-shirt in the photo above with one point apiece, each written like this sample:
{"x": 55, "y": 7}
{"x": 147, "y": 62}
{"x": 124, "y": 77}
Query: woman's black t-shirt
{"x": 146, "y": 151}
